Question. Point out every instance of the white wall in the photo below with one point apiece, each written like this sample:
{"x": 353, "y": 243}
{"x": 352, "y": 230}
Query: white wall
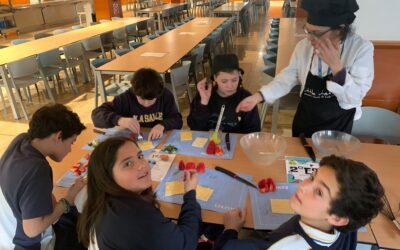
{"x": 378, "y": 20}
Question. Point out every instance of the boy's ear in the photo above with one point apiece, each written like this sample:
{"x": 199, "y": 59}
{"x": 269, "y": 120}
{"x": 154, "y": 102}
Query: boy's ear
{"x": 337, "y": 221}
{"x": 58, "y": 135}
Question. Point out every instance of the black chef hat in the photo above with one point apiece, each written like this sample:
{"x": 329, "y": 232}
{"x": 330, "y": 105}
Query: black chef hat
{"x": 330, "y": 13}
{"x": 226, "y": 62}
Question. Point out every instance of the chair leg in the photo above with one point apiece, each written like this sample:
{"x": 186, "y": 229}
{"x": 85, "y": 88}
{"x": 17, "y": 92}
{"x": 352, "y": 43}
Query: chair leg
{"x": 3, "y": 102}
{"x": 47, "y": 87}
{"x": 70, "y": 81}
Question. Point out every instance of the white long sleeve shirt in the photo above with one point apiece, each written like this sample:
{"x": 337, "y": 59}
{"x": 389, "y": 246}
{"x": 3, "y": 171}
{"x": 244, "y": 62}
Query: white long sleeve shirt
{"x": 357, "y": 58}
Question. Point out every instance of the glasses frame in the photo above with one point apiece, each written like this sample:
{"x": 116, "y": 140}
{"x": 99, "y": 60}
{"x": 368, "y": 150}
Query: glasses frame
{"x": 315, "y": 34}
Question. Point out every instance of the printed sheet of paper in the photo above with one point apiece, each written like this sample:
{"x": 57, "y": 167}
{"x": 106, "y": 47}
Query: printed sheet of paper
{"x": 145, "y": 145}
{"x": 281, "y": 206}
{"x": 203, "y": 193}
{"x": 174, "y": 188}
{"x": 299, "y": 168}
{"x": 200, "y": 142}
{"x": 153, "y": 54}
{"x": 159, "y": 168}
{"x": 186, "y": 136}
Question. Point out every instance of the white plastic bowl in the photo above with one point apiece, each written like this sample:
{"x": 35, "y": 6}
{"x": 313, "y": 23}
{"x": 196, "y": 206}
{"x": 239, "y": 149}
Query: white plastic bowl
{"x": 263, "y": 148}
{"x": 328, "y": 142}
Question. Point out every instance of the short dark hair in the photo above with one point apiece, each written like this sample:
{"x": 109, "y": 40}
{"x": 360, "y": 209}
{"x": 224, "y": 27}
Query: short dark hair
{"x": 54, "y": 118}
{"x": 360, "y": 192}
{"x": 147, "y": 84}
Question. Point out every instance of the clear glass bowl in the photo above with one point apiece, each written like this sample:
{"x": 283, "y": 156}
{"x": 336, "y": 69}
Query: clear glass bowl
{"x": 263, "y": 148}
{"x": 328, "y": 142}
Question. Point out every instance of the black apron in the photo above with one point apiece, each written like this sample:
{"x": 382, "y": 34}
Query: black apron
{"x": 319, "y": 109}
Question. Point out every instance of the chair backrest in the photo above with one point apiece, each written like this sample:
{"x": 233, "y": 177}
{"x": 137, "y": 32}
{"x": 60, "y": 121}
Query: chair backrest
{"x": 76, "y": 27}
{"x": 199, "y": 50}
{"x": 388, "y": 128}
{"x": 59, "y": 31}
{"x": 24, "y": 67}
{"x": 92, "y": 43}
{"x": 180, "y": 76}
{"x": 19, "y": 41}
{"x": 49, "y": 58}
{"x": 41, "y": 35}
{"x": 151, "y": 25}
{"x": 73, "y": 51}
{"x": 131, "y": 30}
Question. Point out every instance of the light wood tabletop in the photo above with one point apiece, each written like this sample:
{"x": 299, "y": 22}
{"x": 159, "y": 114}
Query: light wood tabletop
{"x": 230, "y": 7}
{"x": 381, "y": 158}
{"x": 160, "y": 8}
{"x": 34, "y": 47}
{"x": 290, "y": 33}
{"x": 171, "y": 46}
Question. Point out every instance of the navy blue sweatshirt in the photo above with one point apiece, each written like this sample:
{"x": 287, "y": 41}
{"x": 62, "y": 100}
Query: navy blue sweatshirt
{"x": 289, "y": 235}
{"x": 205, "y": 117}
{"x": 163, "y": 111}
{"x": 136, "y": 224}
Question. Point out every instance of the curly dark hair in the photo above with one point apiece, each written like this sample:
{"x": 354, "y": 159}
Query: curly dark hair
{"x": 54, "y": 118}
{"x": 360, "y": 192}
{"x": 147, "y": 84}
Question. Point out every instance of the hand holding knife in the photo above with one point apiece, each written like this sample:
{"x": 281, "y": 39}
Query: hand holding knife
{"x": 235, "y": 176}
{"x": 307, "y": 147}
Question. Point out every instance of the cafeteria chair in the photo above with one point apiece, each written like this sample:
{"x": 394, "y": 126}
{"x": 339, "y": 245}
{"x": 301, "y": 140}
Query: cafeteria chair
{"x": 179, "y": 84}
{"x": 59, "y": 31}
{"x": 388, "y": 129}
{"x": 120, "y": 38}
{"x": 76, "y": 27}
{"x": 41, "y": 35}
{"x": 75, "y": 56}
{"x": 96, "y": 63}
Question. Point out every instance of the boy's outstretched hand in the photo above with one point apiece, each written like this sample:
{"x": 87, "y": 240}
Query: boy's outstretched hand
{"x": 248, "y": 103}
{"x": 190, "y": 180}
{"x": 204, "y": 89}
{"x": 156, "y": 132}
{"x": 74, "y": 190}
{"x": 129, "y": 123}
{"x": 235, "y": 219}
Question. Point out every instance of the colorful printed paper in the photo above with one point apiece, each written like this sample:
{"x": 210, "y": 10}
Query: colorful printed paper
{"x": 159, "y": 167}
{"x": 299, "y": 168}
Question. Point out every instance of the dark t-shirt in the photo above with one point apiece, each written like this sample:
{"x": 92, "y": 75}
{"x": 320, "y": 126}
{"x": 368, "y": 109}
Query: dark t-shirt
{"x": 26, "y": 183}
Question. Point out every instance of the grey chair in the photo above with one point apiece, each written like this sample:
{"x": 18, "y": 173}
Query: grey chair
{"x": 120, "y": 38}
{"x": 59, "y": 31}
{"x": 75, "y": 56}
{"x": 41, "y": 35}
{"x": 388, "y": 128}
{"x": 179, "y": 84}
{"x": 98, "y": 62}
{"x": 93, "y": 47}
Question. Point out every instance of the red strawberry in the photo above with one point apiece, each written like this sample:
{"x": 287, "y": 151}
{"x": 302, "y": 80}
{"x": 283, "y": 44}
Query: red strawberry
{"x": 271, "y": 185}
{"x": 132, "y": 136}
{"x": 181, "y": 166}
{"x": 201, "y": 168}
{"x": 218, "y": 150}
{"x": 190, "y": 166}
{"x": 263, "y": 186}
{"x": 211, "y": 148}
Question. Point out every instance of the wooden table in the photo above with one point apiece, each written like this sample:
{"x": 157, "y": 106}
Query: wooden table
{"x": 175, "y": 44}
{"x": 34, "y": 47}
{"x": 232, "y": 8}
{"x": 159, "y": 10}
{"x": 381, "y": 158}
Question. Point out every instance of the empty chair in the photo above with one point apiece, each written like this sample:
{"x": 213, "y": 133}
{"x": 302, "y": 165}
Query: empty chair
{"x": 179, "y": 84}
{"x": 120, "y": 38}
{"x": 41, "y": 35}
{"x": 19, "y": 41}
{"x": 94, "y": 65}
{"x": 93, "y": 47}
{"x": 59, "y": 31}
{"x": 107, "y": 42}
{"x": 51, "y": 64}
{"x": 75, "y": 56}
{"x": 76, "y": 27}
{"x": 269, "y": 58}
{"x": 121, "y": 52}
{"x": 142, "y": 30}
{"x": 3, "y": 46}
{"x": 387, "y": 130}
{"x": 134, "y": 45}
{"x": 132, "y": 32}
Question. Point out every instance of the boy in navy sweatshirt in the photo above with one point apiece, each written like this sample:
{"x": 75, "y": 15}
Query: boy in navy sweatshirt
{"x": 339, "y": 198}
{"x": 147, "y": 104}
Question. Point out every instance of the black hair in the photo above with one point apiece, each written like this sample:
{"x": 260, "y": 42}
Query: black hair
{"x": 344, "y": 31}
{"x": 52, "y": 119}
{"x": 360, "y": 193}
{"x": 147, "y": 84}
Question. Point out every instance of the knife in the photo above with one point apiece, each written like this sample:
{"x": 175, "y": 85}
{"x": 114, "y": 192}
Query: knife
{"x": 228, "y": 142}
{"x": 235, "y": 176}
{"x": 307, "y": 147}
